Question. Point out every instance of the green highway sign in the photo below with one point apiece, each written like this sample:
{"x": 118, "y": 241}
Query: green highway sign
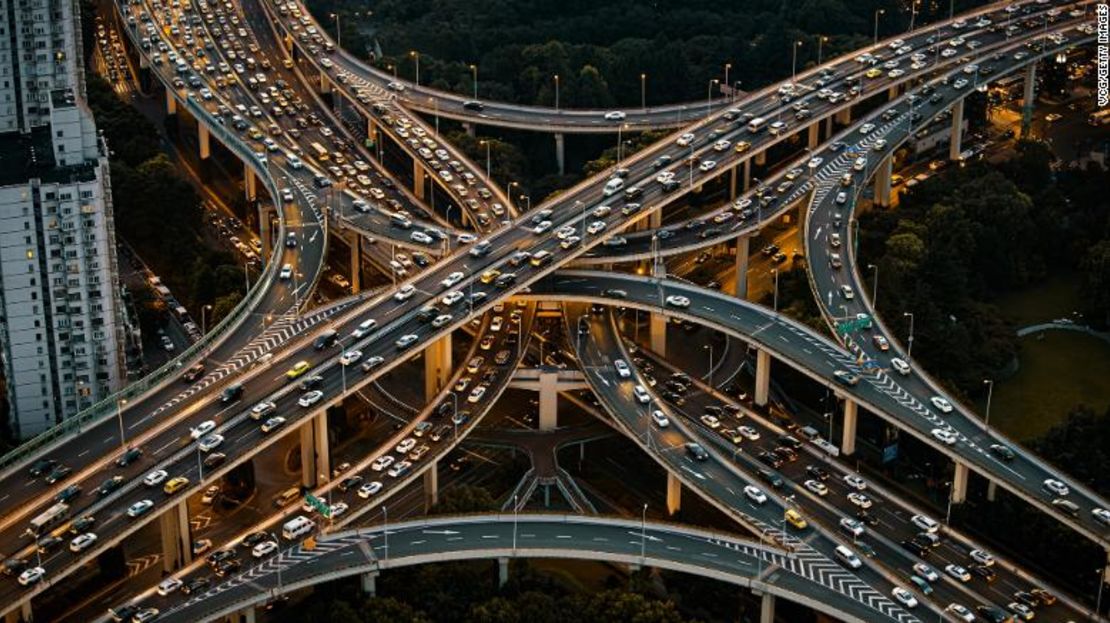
{"x": 320, "y": 505}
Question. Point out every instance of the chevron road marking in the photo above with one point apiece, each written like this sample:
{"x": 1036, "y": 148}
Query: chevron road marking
{"x": 138, "y": 565}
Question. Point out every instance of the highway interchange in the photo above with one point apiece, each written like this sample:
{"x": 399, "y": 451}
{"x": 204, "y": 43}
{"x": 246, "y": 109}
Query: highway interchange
{"x": 168, "y": 446}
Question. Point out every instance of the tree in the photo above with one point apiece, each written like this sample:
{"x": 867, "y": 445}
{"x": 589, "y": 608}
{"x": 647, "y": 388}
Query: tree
{"x": 1095, "y": 269}
{"x": 465, "y": 499}
{"x": 390, "y": 610}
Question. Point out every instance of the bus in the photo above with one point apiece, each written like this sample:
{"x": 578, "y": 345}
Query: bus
{"x": 50, "y": 517}
{"x": 1101, "y": 117}
{"x": 321, "y": 153}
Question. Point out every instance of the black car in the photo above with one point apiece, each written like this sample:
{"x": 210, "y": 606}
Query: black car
{"x": 325, "y": 340}
{"x": 123, "y": 613}
{"x": 231, "y": 393}
{"x": 352, "y": 482}
{"x": 14, "y": 566}
{"x": 220, "y": 555}
{"x": 312, "y": 382}
{"x": 129, "y": 457}
{"x": 993, "y": 614}
{"x": 193, "y": 373}
{"x": 1002, "y": 452}
{"x": 916, "y": 548}
{"x": 215, "y": 459}
{"x": 68, "y": 493}
{"x": 770, "y": 459}
{"x": 42, "y": 466}
{"x": 110, "y": 485}
{"x": 1028, "y": 599}
{"x": 228, "y": 566}
{"x": 47, "y": 543}
{"x": 473, "y": 105}
{"x": 82, "y": 524}
{"x": 59, "y": 472}
{"x": 254, "y": 538}
{"x": 982, "y": 571}
{"x": 697, "y": 451}
{"x": 195, "y": 585}
{"x": 786, "y": 454}
{"x": 771, "y": 478}
{"x": 867, "y": 517}
{"x": 819, "y": 473}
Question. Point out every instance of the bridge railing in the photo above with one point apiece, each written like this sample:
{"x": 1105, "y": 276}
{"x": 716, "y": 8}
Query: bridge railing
{"x": 108, "y": 407}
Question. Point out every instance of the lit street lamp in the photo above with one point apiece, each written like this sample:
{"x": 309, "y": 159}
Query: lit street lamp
{"x": 794, "y": 64}
{"x": 643, "y": 91}
{"x": 909, "y": 348}
{"x": 820, "y": 43}
{"x": 416, "y": 55}
{"x": 709, "y": 95}
{"x": 556, "y": 92}
{"x": 119, "y": 415}
{"x": 990, "y": 390}
{"x": 474, "y": 68}
{"x": 877, "y": 14}
{"x": 487, "y": 144}
{"x": 874, "y": 284}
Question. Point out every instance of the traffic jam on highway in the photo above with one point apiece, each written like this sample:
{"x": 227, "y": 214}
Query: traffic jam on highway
{"x": 448, "y": 294}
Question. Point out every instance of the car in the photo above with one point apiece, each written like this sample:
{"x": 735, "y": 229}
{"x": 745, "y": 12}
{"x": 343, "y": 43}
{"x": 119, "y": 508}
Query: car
{"x": 261, "y": 409}
{"x": 676, "y": 300}
{"x": 707, "y": 165}
{"x": 794, "y": 518}
{"x": 749, "y": 433}
{"x": 900, "y": 366}
{"x": 67, "y": 494}
{"x": 941, "y": 404}
{"x": 904, "y": 597}
{"x": 847, "y": 292}
{"x": 297, "y": 370}
{"x": 195, "y": 585}
{"x": 310, "y": 398}
{"x": 947, "y": 436}
{"x": 711, "y": 421}
{"x": 756, "y": 495}
{"x": 349, "y": 357}
{"x": 372, "y": 363}
{"x": 399, "y": 469}
{"x": 926, "y": 523}
{"x": 817, "y": 472}
{"x": 1046, "y": 598}
{"x": 369, "y": 489}
{"x": 404, "y": 293}
{"x": 880, "y": 342}
{"x": 129, "y": 456}
{"x": 273, "y": 423}
{"x": 641, "y": 394}
{"x": 957, "y": 572}
{"x": 312, "y": 382}
{"x": 175, "y": 484}
{"x": 202, "y": 429}
{"x": 846, "y": 378}
{"x": 31, "y": 576}
{"x": 1056, "y": 487}
{"x": 82, "y": 542}
{"x": 210, "y": 442}
{"x": 982, "y": 557}
{"x": 286, "y": 271}
{"x": 265, "y": 548}
{"x": 364, "y": 328}
{"x": 155, "y": 477}
{"x": 110, "y": 485}
{"x": 169, "y": 585}
{"x": 855, "y": 482}
{"x": 960, "y": 612}
{"x": 1101, "y": 515}
{"x": 697, "y": 451}
{"x": 853, "y": 527}
{"x": 817, "y": 487}
{"x": 138, "y": 508}
{"x": 925, "y": 571}
{"x": 660, "y": 419}
{"x": 622, "y": 368}
{"x": 1022, "y": 611}
{"x": 193, "y": 373}
{"x": 685, "y": 139}
{"x": 860, "y": 499}
{"x": 210, "y": 494}
{"x": 1027, "y": 598}
{"x": 615, "y": 115}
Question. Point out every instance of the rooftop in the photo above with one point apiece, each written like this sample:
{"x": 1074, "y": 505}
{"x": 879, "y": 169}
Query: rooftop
{"x": 31, "y": 155}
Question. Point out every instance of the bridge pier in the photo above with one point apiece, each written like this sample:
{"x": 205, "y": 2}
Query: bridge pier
{"x": 893, "y": 92}
{"x": 674, "y": 494}
{"x": 844, "y": 117}
{"x": 733, "y": 176}
{"x": 658, "y": 330}
{"x": 883, "y": 172}
{"x": 762, "y": 377}
{"x": 848, "y": 431}
{"x": 171, "y": 103}
{"x": 560, "y": 152}
{"x": 354, "y": 243}
{"x": 747, "y": 174}
{"x": 417, "y": 179}
{"x": 246, "y": 615}
{"x": 203, "y": 141}
{"x": 250, "y": 183}
{"x": 814, "y": 137}
{"x": 177, "y": 543}
{"x": 431, "y": 486}
{"x": 315, "y": 459}
{"x": 325, "y": 84}
{"x": 502, "y": 572}
{"x": 955, "y": 136}
{"x": 761, "y": 158}
{"x": 437, "y": 366}
{"x": 767, "y": 608}
{"x": 549, "y": 401}
{"x": 469, "y": 127}
{"x": 265, "y": 228}
{"x": 992, "y": 490}
{"x": 372, "y": 131}
{"x": 369, "y": 581}
{"x": 1029, "y": 95}
{"x": 959, "y": 483}
{"x": 740, "y": 287}
{"x": 828, "y": 127}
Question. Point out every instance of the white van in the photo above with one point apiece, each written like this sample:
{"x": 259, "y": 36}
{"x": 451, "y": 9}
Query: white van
{"x": 613, "y": 186}
{"x": 297, "y": 527}
{"x": 927, "y": 524}
{"x": 756, "y": 124}
{"x": 848, "y": 557}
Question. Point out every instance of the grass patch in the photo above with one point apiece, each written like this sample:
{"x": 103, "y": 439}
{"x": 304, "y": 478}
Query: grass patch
{"x": 1058, "y": 372}
{"x": 1056, "y": 297}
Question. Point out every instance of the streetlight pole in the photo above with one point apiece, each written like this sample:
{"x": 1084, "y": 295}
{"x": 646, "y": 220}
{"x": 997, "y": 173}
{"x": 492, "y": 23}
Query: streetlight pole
{"x": 990, "y": 390}
{"x": 643, "y": 91}
{"x": 709, "y": 347}
{"x": 619, "y": 129}
{"x": 474, "y": 68}
{"x": 204, "y": 329}
{"x": 486, "y": 143}
{"x": 556, "y": 92}
{"x": 775, "y": 300}
{"x": 909, "y": 349}
{"x": 874, "y": 284}
{"x": 728, "y": 66}
{"x": 416, "y": 55}
{"x": 338, "y": 30}
{"x": 385, "y": 529}
{"x": 709, "y": 95}
{"x": 119, "y": 415}
{"x": 516, "y": 510}
{"x": 794, "y": 64}
{"x": 876, "y": 37}
{"x": 913, "y": 13}
{"x": 643, "y": 533}
{"x": 820, "y": 43}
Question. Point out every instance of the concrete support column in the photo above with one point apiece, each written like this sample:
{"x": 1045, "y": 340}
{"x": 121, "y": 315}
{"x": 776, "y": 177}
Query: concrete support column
{"x": 654, "y": 218}
{"x": 265, "y": 227}
{"x": 844, "y": 116}
{"x": 177, "y": 543}
{"x": 674, "y": 494}
{"x": 892, "y": 92}
{"x": 761, "y": 158}
{"x": 955, "y": 137}
{"x": 171, "y": 103}
{"x": 549, "y": 400}
{"x": 369, "y": 582}
{"x": 202, "y": 141}
{"x": 469, "y": 127}
{"x": 767, "y": 608}
{"x": 1029, "y": 96}
{"x": 814, "y": 137}
{"x": 848, "y": 432}
{"x": 23, "y": 615}
{"x": 992, "y": 490}
{"x": 250, "y": 183}
{"x": 883, "y": 172}
{"x": 560, "y": 153}
{"x": 431, "y": 486}
{"x": 372, "y": 130}
{"x": 658, "y": 325}
{"x": 747, "y": 174}
{"x": 246, "y": 615}
{"x": 325, "y": 84}
{"x": 959, "y": 483}
{"x": 417, "y": 179}
{"x": 733, "y": 178}
{"x": 502, "y": 572}
{"x": 743, "y": 244}
{"x": 828, "y": 127}
{"x": 315, "y": 452}
{"x": 354, "y": 243}
{"x": 762, "y": 377}
{"x": 437, "y": 366}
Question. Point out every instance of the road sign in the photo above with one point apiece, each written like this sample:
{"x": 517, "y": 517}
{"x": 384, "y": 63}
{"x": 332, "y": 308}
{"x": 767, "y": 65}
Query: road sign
{"x": 320, "y": 505}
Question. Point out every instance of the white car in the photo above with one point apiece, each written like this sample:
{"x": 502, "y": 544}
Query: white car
{"x": 753, "y": 493}
{"x": 211, "y": 442}
{"x": 261, "y": 409}
{"x": 451, "y": 298}
{"x": 675, "y": 300}
{"x": 867, "y": 127}
{"x": 711, "y": 421}
{"x": 1101, "y": 515}
{"x": 926, "y": 572}
{"x": 815, "y": 162}
{"x": 364, "y": 329}
{"x": 32, "y": 576}
{"x": 947, "y": 436}
{"x": 265, "y": 548}
{"x": 859, "y": 499}
{"x": 369, "y": 489}
{"x": 310, "y": 398}
{"x": 476, "y": 394}
{"x": 855, "y": 482}
{"x": 926, "y": 523}
{"x": 399, "y": 469}
{"x": 904, "y": 597}
{"x": 451, "y": 280}
{"x": 853, "y": 527}
{"x": 155, "y": 478}
{"x": 958, "y": 572}
{"x": 168, "y": 585}
{"x": 982, "y": 557}
{"x": 441, "y": 320}
{"x": 202, "y": 429}
{"x": 817, "y": 487}
{"x": 286, "y": 271}
{"x": 595, "y": 228}
{"x": 338, "y": 509}
{"x": 660, "y": 419}
{"x": 940, "y": 403}
{"x": 623, "y": 370}
{"x": 615, "y": 115}
{"x": 382, "y": 462}
{"x": 664, "y": 177}
{"x": 641, "y": 394}
{"x": 349, "y": 357}
{"x": 82, "y": 542}
{"x": 466, "y": 238}
{"x": 749, "y": 433}
{"x": 847, "y": 292}
{"x": 900, "y": 366}
{"x": 1057, "y": 487}
{"x": 707, "y": 165}
{"x": 408, "y": 443}
{"x": 960, "y": 612}
{"x": 722, "y": 145}
{"x": 406, "y": 340}
{"x": 138, "y": 508}
{"x": 405, "y": 293}
{"x": 685, "y": 139}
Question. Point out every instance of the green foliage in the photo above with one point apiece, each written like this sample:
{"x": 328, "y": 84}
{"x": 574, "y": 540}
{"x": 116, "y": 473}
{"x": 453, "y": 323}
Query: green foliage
{"x": 465, "y": 499}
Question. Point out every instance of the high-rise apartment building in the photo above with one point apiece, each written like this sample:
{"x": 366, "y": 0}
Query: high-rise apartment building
{"x": 62, "y": 322}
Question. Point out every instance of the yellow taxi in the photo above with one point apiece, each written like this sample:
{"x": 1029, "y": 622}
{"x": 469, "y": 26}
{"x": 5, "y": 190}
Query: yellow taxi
{"x": 490, "y": 275}
{"x": 874, "y": 72}
{"x": 742, "y": 146}
{"x": 175, "y": 485}
{"x": 795, "y": 519}
{"x": 298, "y": 369}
